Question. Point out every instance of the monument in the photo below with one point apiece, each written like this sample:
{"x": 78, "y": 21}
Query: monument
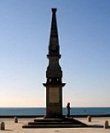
{"x": 54, "y": 117}
{"x": 54, "y": 73}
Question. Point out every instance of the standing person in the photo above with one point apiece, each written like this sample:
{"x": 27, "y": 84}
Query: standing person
{"x": 68, "y": 109}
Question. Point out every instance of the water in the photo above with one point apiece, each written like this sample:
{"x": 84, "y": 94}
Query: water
{"x": 21, "y": 111}
{"x": 42, "y": 111}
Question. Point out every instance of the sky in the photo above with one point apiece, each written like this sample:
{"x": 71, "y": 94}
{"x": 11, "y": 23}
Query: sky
{"x": 84, "y": 38}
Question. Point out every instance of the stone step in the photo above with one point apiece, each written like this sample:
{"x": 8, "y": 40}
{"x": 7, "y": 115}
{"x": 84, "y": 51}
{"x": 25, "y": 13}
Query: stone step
{"x": 53, "y": 126}
{"x": 55, "y": 123}
{"x": 48, "y": 120}
{"x": 49, "y": 123}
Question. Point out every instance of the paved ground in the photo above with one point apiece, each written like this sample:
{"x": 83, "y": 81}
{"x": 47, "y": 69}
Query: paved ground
{"x": 17, "y": 127}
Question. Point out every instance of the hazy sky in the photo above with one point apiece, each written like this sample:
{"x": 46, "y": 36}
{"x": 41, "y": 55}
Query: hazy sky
{"x": 84, "y": 37}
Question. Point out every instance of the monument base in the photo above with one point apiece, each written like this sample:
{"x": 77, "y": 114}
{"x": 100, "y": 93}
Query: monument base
{"x": 64, "y": 122}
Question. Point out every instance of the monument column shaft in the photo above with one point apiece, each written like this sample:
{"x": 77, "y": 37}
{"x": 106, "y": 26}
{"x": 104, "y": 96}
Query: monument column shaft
{"x": 54, "y": 73}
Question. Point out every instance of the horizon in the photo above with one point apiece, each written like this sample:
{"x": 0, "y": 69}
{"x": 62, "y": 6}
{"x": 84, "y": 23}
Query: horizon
{"x": 45, "y": 107}
{"x": 84, "y": 39}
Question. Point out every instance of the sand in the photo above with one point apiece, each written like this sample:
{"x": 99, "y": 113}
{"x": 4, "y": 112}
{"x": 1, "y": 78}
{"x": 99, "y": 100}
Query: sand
{"x": 98, "y": 122}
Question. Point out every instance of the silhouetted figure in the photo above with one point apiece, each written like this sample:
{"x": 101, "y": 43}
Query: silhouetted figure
{"x": 68, "y": 109}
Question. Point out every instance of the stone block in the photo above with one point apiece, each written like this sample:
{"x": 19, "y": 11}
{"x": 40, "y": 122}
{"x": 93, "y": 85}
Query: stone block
{"x": 2, "y": 126}
{"x": 16, "y": 120}
{"x": 106, "y": 124}
{"x": 89, "y": 118}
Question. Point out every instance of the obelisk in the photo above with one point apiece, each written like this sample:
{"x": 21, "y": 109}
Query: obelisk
{"x": 54, "y": 116}
{"x": 54, "y": 73}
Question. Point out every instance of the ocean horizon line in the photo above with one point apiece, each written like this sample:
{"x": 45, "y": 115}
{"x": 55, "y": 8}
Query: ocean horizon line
{"x": 62, "y": 107}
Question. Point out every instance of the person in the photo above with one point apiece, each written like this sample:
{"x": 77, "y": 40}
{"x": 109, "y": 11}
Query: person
{"x": 68, "y": 109}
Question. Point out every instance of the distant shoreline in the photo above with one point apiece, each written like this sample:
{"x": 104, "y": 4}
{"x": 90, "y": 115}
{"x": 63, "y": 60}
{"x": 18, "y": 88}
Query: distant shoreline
{"x": 33, "y": 116}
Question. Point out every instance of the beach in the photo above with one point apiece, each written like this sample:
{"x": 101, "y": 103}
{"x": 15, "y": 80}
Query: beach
{"x": 97, "y": 124}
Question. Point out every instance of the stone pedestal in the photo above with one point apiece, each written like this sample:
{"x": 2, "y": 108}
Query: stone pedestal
{"x": 54, "y": 100}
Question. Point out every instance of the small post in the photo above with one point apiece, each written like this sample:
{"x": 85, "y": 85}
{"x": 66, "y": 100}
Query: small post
{"x": 106, "y": 124}
{"x": 16, "y": 120}
{"x": 2, "y": 126}
{"x": 89, "y": 118}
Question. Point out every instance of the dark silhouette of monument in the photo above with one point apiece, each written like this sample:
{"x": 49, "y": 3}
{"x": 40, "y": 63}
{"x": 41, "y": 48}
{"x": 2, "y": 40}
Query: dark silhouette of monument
{"x": 54, "y": 73}
{"x": 54, "y": 117}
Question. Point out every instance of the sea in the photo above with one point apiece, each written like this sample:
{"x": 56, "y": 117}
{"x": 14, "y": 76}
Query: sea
{"x": 42, "y": 111}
